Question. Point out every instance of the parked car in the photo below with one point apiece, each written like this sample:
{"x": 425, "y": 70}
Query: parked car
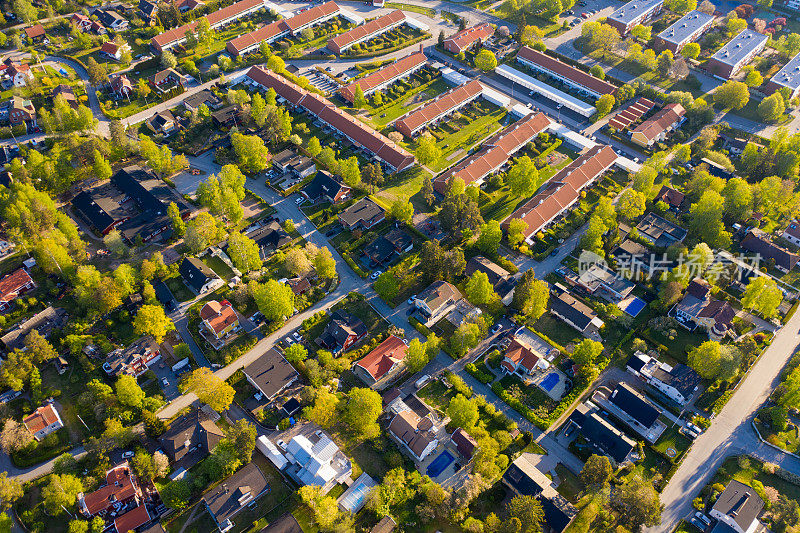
{"x": 584, "y": 15}
{"x": 300, "y": 200}
{"x": 297, "y": 336}
{"x": 411, "y": 300}
{"x": 375, "y": 275}
{"x": 703, "y": 518}
{"x": 165, "y": 382}
{"x": 127, "y": 454}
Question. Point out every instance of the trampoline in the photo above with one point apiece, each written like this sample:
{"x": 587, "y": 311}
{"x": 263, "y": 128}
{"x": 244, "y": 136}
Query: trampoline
{"x": 549, "y": 381}
{"x": 633, "y": 306}
{"x": 439, "y": 464}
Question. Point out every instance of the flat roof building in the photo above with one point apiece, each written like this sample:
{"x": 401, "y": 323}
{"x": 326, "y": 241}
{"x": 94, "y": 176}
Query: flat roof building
{"x": 556, "y": 95}
{"x": 737, "y": 53}
{"x": 788, "y": 76}
{"x": 385, "y": 76}
{"x": 342, "y": 43}
{"x": 687, "y": 29}
{"x": 633, "y": 13}
{"x": 438, "y": 108}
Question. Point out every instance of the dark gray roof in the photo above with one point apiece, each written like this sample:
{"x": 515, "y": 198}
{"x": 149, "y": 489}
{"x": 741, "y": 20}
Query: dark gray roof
{"x": 566, "y": 305}
{"x": 480, "y": 264}
{"x": 630, "y": 402}
{"x": 757, "y": 241}
{"x": 195, "y": 428}
{"x": 271, "y": 373}
{"x": 108, "y": 17}
{"x": 362, "y": 211}
{"x": 739, "y": 502}
{"x": 230, "y": 496}
{"x": 635, "y": 362}
{"x": 203, "y": 97}
{"x": 149, "y": 9}
{"x": 380, "y": 250}
{"x": 44, "y": 322}
{"x": 86, "y": 206}
{"x": 286, "y": 523}
{"x": 195, "y": 273}
{"x": 661, "y": 231}
{"x": 323, "y": 185}
{"x": 522, "y": 477}
{"x": 681, "y": 378}
{"x": 270, "y": 237}
{"x": 602, "y": 434}
{"x": 158, "y": 120}
{"x": 340, "y": 327}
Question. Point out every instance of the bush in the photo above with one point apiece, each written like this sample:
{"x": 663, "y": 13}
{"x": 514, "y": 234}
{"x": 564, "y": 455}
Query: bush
{"x": 479, "y": 374}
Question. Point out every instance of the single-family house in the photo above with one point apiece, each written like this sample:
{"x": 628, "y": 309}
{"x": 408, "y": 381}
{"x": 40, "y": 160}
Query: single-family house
{"x": 679, "y": 383}
{"x": 325, "y": 188}
{"x": 465, "y": 444}
{"x": 575, "y": 313}
{"x": 13, "y": 285}
{"x": 792, "y": 233}
{"x": 219, "y": 319}
{"x": 190, "y": 438}
{"x": 342, "y": 331}
{"x": 672, "y": 197}
{"x": 113, "y": 50}
{"x": 121, "y": 86}
{"x": 365, "y": 214}
{"x": 633, "y": 258}
{"x": 111, "y": 19}
{"x": 163, "y": 122}
{"x": 133, "y": 360}
{"x": 599, "y": 280}
{"x": 632, "y": 409}
{"x": 166, "y": 79}
{"x": 316, "y": 460}
{"x": 524, "y": 479}
{"x": 602, "y": 437}
{"x": 19, "y": 73}
{"x": 521, "y": 358}
{"x": 383, "y": 364}
{"x": 66, "y": 92}
{"x": 120, "y": 491}
{"x": 394, "y": 243}
{"x": 204, "y": 97}
{"x": 738, "y": 508}
{"x": 227, "y": 117}
{"x": 35, "y": 34}
{"x": 757, "y": 242}
{"x": 270, "y": 374}
{"x": 148, "y": 11}
{"x": 269, "y": 238}
{"x": 44, "y": 322}
{"x": 437, "y": 300}
{"x": 43, "y": 421}
{"x": 289, "y": 161}
{"x": 235, "y": 493}
{"x": 659, "y": 231}
{"x": 198, "y": 276}
{"x": 416, "y": 435}
{"x": 699, "y": 308}
{"x": 21, "y": 111}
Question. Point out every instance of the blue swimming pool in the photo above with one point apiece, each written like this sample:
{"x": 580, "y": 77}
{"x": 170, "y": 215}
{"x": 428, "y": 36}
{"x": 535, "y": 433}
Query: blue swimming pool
{"x": 633, "y": 306}
{"x": 439, "y": 464}
{"x": 549, "y": 381}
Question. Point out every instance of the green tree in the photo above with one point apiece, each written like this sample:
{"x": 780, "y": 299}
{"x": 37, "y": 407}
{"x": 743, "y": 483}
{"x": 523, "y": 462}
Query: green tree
{"x": 243, "y": 436}
{"x": 754, "y": 79}
{"x": 665, "y": 61}
{"x": 313, "y": 148}
{"x": 387, "y": 286}
{"x": 427, "y": 151}
{"x": 528, "y": 510}
{"x": 604, "y": 105}
{"x": 151, "y": 320}
{"x": 485, "y": 60}
{"x": 706, "y": 220}
{"x": 706, "y": 359}
{"x": 251, "y": 153}
{"x": 531, "y": 295}
{"x": 637, "y": 503}
{"x": 738, "y": 198}
{"x": 631, "y": 204}
{"x": 402, "y": 211}
{"x": 763, "y": 296}
{"x": 478, "y": 289}
{"x": 490, "y": 237}
{"x": 325, "y": 264}
{"x": 178, "y": 225}
{"x": 785, "y": 513}
{"x": 517, "y": 229}
{"x": 258, "y": 110}
{"x": 60, "y": 493}
{"x": 641, "y": 32}
{"x": 361, "y": 412}
{"x": 598, "y": 72}
{"x": 597, "y": 470}
{"x": 691, "y": 51}
{"x": 201, "y": 232}
{"x": 771, "y": 108}
{"x": 274, "y": 299}
{"x": 176, "y": 494}
{"x": 102, "y": 170}
{"x": 463, "y": 412}
{"x": 586, "y": 352}
{"x": 210, "y": 389}
{"x": 359, "y": 100}
{"x": 129, "y": 392}
{"x": 416, "y": 356}
{"x": 732, "y": 94}
{"x": 296, "y": 353}
{"x": 681, "y": 6}
{"x": 523, "y": 177}
{"x": 324, "y": 410}
{"x": 143, "y": 465}
{"x": 78, "y": 526}
{"x": 10, "y": 491}
{"x": 244, "y": 252}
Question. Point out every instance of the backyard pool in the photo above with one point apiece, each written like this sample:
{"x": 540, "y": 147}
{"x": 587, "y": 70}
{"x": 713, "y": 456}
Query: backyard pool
{"x": 550, "y": 381}
{"x": 439, "y": 464}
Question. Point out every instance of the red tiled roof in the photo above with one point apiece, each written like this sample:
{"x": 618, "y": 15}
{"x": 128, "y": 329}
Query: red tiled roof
{"x": 351, "y": 127}
{"x": 373, "y": 27}
{"x": 632, "y": 113}
{"x": 496, "y": 151}
{"x": 439, "y": 106}
{"x": 562, "y": 69}
{"x": 521, "y": 354}
{"x": 672, "y": 197}
{"x": 132, "y": 519}
{"x": 179, "y": 33}
{"x": 41, "y": 418}
{"x": 11, "y": 285}
{"x": 264, "y": 33}
{"x": 109, "y": 48}
{"x": 387, "y": 74}
{"x": 564, "y": 188}
{"x": 34, "y": 31}
{"x": 311, "y": 15}
{"x": 467, "y": 37}
{"x": 218, "y": 315}
{"x": 118, "y": 488}
{"x": 658, "y": 123}
{"x": 380, "y": 360}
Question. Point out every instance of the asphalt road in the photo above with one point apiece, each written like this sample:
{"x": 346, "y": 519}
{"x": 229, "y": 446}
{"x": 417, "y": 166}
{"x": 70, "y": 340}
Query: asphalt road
{"x": 731, "y": 432}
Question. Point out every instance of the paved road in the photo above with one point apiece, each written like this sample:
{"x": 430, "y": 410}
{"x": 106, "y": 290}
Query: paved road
{"x": 31, "y": 473}
{"x": 731, "y": 432}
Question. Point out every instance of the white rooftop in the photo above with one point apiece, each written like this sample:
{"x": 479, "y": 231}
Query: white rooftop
{"x": 739, "y": 47}
{"x": 789, "y": 75}
{"x": 685, "y": 27}
{"x": 549, "y": 91}
{"x": 634, "y": 9}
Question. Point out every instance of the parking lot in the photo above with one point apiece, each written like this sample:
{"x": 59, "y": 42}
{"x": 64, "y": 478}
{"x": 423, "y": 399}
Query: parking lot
{"x": 321, "y": 81}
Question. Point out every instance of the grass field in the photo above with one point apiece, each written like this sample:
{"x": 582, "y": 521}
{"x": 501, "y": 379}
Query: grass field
{"x": 464, "y": 133}
{"x": 414, "y": 98}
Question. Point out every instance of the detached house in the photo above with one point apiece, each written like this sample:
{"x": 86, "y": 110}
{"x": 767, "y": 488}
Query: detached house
{"x": 678, "y": 383}
{"x": 219, "y": 319}
{"x": 365, "y": 214}
{"x": 269, "y": 238}
{"x": 757, "y": 242}
{"x": 44, "y": 421}
{"x": 113, "y": 50}
{"x": 13, "y": 285}
{"x": 122, "y": 86}
{"x": 792, "y": 233}
{"x": 166, "y": 79}
{"x": 383, "y": 364}
{"x": 384, "y": 248}
{"x": 416, "y": 435}
{"x": 325, "y": 188}
{"x": 270, "y": 374}
{"x": 19, "y": 73}
{"x": 738, "y": 508}
{"x": 235, "y": 493}
{"x": 35, "y": 34}
{"x": 437, "y": 300}
{"x": 21, "y": 111}
{"x": 699, "y": 308}
{"x": 190, "y": 439}
{"x": 575, "y": 313}
{"x": 672, "y": 197}
{"x": 342, "y": 331}
{"x": 522, "y": 358}
{"x": 198, "y": 276}
{"x": 163, "y": 122}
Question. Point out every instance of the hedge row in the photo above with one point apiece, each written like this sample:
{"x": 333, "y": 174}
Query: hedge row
{"x": 420, "y": 327}
{"x": 479, "y": 374}
{"x": 354, "y": 266}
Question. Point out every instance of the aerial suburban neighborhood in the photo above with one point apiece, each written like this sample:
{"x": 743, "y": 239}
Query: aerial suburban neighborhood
{"x": 480, "y": 266}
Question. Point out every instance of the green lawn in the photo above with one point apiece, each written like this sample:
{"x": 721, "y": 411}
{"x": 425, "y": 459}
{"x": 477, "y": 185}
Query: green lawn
{"x": 787, "y": 440}
{"x": 413, "y": 98}
{"x": 557, "y": 330}
{"x": 750, "y": 112}
{"x": 570, "y": 485}
{"x": 411, "y": 7}
{"x": 476, "y": 123}
{"x": 671, "y": 439}
{"x": 217, "y": 265}
{"x": 180, "y": 291}
{"x": 732, "y": 470}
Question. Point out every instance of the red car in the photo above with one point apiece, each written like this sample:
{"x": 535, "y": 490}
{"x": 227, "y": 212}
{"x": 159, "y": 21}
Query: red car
{"x": 584, "y": 15}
